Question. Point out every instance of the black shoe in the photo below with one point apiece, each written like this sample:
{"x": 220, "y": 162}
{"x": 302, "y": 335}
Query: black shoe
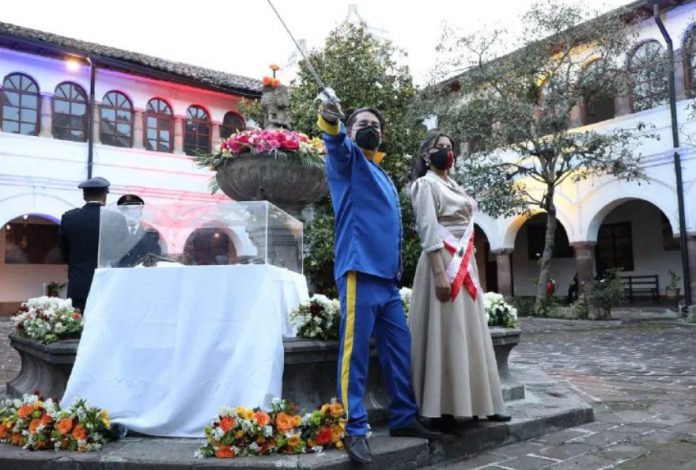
{"x": 358, "y": 449}
{"x": 446, "y": 423}
{"x": 415, "y": 429}
{"x": 499, "y": 418}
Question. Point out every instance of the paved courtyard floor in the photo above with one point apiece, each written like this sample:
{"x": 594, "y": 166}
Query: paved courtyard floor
{"x": 641, "y": 381}
{"x": 640, "y": 378}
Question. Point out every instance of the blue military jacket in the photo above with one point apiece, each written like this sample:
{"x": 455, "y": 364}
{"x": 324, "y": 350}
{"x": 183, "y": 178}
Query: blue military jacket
{"x": 366, "y": 207}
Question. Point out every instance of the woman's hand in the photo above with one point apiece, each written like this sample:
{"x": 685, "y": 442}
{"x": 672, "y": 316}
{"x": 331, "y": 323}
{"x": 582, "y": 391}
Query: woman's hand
{"x": 442, "y": 287}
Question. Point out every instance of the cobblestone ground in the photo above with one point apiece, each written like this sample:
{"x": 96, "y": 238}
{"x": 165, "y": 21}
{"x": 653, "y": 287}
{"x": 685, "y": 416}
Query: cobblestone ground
{"x": 640, "y": 379}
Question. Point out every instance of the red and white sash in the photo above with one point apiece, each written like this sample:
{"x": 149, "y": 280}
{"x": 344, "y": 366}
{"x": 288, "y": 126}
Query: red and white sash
{"x": 460, "y": 269}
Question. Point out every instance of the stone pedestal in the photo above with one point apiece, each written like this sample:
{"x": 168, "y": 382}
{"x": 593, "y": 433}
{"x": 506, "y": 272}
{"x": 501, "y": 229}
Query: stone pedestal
{"x": 44, "y": 367}
{"x": 309, "y": 377}
{"x": 504, "y": 267}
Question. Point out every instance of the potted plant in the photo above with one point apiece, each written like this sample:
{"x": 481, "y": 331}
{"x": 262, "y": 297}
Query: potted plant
{"x": 672, "y": 289}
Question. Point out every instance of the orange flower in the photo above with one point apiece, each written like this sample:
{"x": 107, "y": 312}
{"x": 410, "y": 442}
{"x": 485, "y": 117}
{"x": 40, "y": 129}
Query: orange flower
{"x": 275, "y": 83}
{"x": 336, "y": 410}
{"x": 274, "y": 67}
{"x": 294, "y": 440}
{"x": 25, "y": 410}
{"x": 284, "y": 422}
{"x": 46, "y": 420}
{"x": 79, "y": 433}
{"x": 64, "y": 425}
{"x": 224, "y": 452}
{"x": 267, "y": 81}
{"x": 227, "y": 423}
{"x": 336, "y": 433}
{"x": 34, "y": 425}
{"x": 239, "y": 434}
{"x": 297, "y": 421}
{"x": 3, "y": 432}
{"x": 262, "y": 418}
{"x": 17, "y": 439}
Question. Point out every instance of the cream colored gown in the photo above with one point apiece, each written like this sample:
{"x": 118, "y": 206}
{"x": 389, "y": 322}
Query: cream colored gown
{"x": 454, "y": 368}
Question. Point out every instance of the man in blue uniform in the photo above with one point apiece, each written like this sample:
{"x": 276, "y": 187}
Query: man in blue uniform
{"x": 367, "y": 268}
{"x": 79, "y": 238}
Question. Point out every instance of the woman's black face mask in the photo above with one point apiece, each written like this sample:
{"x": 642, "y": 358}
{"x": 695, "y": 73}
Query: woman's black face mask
{"x": 442, "y": 159}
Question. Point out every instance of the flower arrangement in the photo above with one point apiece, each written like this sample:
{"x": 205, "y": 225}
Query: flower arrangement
{"x": 320, "y": 317}
{"x": 244, "y": 432}
{"x": 499, "y": 312}
{"x": 279, "y": 143}
{"x": 48, "y": 319}
{"x": 38, "y": 424}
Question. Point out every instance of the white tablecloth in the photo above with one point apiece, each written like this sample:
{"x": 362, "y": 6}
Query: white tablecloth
{"x": 164, "y": 348}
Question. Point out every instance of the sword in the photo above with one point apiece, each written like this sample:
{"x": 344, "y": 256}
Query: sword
{"x": 326, "y": 93}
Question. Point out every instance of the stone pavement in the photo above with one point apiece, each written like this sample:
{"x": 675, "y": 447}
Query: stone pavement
{"x": 639, "y": 377}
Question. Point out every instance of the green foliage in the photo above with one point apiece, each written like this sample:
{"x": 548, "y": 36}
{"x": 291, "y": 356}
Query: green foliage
{"x": 364, "y": 72}
{"x": 606, "y": 293}
{"x": 251, "y": 109}
{"x": 673, "y": 280}
{"x": 524, "y": 305}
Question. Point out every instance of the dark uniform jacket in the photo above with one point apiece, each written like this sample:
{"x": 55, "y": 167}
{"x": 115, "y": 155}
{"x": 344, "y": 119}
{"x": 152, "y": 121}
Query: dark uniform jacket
{"x": 79, "y": 245}
{"x": 144, "y": 242}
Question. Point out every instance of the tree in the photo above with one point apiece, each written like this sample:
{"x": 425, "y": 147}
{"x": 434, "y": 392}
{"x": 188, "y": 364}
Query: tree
{"x": 363, "y": 70}
{"x": 515, "y": 111}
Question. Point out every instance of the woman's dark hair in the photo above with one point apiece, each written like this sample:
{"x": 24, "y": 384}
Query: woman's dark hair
{"x": 419, "y": 165}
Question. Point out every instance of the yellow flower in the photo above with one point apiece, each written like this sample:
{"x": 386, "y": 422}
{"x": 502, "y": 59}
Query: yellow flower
{"x": 38, "y": 404}
{"x": 297, "y": 421}
{"x": 240, "y": 411}
{"x": 105, "y": 418}
{"x": 324, "y": 408}
{"x": 239, "y": 434}
{"x": 294, "y": 440}
{"x": 248, "y": 414}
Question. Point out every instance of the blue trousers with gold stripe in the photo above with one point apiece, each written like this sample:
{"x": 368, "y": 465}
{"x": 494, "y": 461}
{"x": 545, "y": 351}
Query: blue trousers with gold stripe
{"x": 372, "y": 305}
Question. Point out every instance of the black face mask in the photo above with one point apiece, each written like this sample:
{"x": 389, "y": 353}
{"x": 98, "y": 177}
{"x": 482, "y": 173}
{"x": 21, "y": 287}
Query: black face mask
{"x": 367, "y": 138}
{"x": 442, "y": 159}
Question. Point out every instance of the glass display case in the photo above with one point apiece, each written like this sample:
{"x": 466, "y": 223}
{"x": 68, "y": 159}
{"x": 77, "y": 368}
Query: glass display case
{"x": 199, "y": 233}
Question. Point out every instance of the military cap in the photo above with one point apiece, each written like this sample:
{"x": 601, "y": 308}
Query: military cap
{"x": 130, "y": 200}
{"x": 95, "y": 183}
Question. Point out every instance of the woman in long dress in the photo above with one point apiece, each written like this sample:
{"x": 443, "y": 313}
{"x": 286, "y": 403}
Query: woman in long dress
{"x": 454, "y": 368}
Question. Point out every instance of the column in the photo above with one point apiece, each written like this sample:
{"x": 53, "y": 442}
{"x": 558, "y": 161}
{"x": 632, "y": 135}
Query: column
{"x": 622, "y": 105}
{"x": 46, "y": 115}
{"x": 691, "y": 247}
{"x": 138, "y": 134}
{"x": 576, "y": 114}
{"x": 504, "y": 269}
{"x": 679, "y": 74}
{"x": 96, "y": 130}
{"x": 214, "y": 134}
{"x": 585, "y": 262}
{"x": 178, "y": 135}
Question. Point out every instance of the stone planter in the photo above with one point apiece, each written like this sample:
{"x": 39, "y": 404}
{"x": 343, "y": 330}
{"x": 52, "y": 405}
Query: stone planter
{"x": 285, "y": 183}
{"x": 44, "y": 367}
{"x": 309, "y": 377}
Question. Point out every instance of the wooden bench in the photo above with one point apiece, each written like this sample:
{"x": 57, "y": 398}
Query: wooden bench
{"x": 645, "y": 285}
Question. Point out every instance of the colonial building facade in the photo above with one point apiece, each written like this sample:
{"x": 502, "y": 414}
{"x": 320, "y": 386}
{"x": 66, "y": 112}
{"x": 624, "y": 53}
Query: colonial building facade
{"x": 605, "y": 223}
{"x": 71, "y": 110}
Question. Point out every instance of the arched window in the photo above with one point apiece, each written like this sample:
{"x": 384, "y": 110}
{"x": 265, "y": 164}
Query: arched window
{"x": 19, "y": 113}
{"x": 31, "y": 239}
{"x": 116, "y": 120}
{"x": 159, "y": 126}
{"x": 689, "y": 53}
{"x": 196, "y": 131}
{"x": 598, "y": 95}
{"x": 70, "y": 112}
{"x": 231, "y": 123}
{"x": 648, "y": 69}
